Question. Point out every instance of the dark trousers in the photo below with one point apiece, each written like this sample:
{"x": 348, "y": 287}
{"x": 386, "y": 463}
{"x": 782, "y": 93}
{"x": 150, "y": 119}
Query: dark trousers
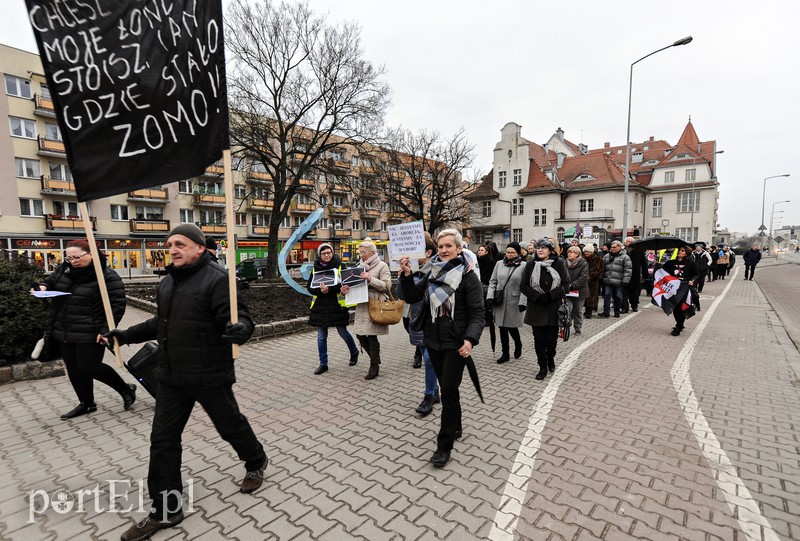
{"x": 504, "y": 342}
{"x": 700, "y": 281}
{"x": 173, "y": 407}
{"x": 545, "y": 339}
{"x": 630, "y": 295}
{"x": 751, "y": 269}
{"x": 679, "y": 316}
{"x": 84, "y": 364}
{"x": 449, "y": 368}
{"x": 712, "y": 272}
{"x": 615, "y": 292}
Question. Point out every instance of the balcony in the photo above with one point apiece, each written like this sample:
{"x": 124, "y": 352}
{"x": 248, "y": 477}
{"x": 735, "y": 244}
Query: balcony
{"x": 259, "y": 177}
{"x": 214, "y": 171}
{"x": 370, "y": 213}
{"x": 299, "y": 156}
{"x": 341, "y": 165}
{"x": 158, "y": 195}
{"x": 366, "y": 171}
{"x": 596, "y": 214}
{"x": 159, "y": 227}
{"x": 259, "y": 204}
{"x": 378, "y": 235}
{"x": 259, "y": 231}
{"x": 43, "y": 106}
{"x": 352, "y": 234}
{"x": 57, "y": 222}
{"x": 57, "y": 186}
{"x": 306, "y": 184}
{"x": 302, "y": 208}
{"x": 339, "y": 211}
{"x": 209, "y": 199}
{"x": 52, "y": 148}
{"x": 213, "y": 229}
{"x": 396, "y": 216}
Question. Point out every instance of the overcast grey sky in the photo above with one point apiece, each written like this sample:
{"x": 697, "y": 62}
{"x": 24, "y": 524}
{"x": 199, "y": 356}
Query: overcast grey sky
{"x": 480, "y": 64}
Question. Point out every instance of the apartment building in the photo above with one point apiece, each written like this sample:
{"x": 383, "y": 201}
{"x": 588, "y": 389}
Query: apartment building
{"x": 39, "y": 212}
{"x": 550, "y": 190}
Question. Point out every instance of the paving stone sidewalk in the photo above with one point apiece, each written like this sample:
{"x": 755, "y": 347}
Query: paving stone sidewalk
{"x": 349, "y": 458}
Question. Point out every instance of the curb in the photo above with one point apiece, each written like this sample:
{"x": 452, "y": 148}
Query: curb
{"x": 29, "y": 370}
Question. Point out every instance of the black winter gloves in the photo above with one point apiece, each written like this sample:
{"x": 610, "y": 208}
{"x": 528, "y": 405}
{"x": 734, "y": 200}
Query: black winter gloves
{"x": 118, "y": 334}
{"x": 237, "y": 333}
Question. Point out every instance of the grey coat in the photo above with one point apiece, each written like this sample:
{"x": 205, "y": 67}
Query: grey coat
{"x": 378, "y": 288}
{"x": 507, "y": 314}
{"x": 618, "y": 269}
{"x": 579, "y": 277}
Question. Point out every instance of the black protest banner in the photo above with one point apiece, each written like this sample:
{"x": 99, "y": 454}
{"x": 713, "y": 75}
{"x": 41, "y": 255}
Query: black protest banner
{"x": 139, "y": 88}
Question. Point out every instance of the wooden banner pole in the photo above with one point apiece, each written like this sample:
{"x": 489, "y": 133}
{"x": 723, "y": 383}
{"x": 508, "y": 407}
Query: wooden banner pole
{"x": 101, "y": 280}
{"x": 230, "y": 251}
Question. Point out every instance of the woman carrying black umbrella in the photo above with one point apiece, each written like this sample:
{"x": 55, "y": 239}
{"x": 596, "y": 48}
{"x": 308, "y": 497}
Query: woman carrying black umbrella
{"x": 683, "y": 267}
{"x": 453, "y": 309}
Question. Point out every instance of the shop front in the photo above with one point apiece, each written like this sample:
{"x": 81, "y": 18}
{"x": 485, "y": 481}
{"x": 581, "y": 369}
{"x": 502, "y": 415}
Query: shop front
{"x": 125, "y": 256}
{"x": 349, "y": 250}
{"x": 44, "y": 253}
{"x": 156, "y": 256}
{"x": 251, "y": 249}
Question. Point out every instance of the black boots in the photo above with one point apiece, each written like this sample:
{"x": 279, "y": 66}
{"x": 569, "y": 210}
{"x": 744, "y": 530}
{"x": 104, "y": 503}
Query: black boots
{"x": 129, "y": 398}
{"x": 374, "y": 353}
{"x": 417, "y": 358}
{"x": 551, "y": 364}
{"x": 504, "y": 358}
{"x": 353, "y": 359}
{"x": 440, "y": 458}
{"x": 517, "y": 350}
{"x": 81, "y": 409}
{"x": 426, "y": 407}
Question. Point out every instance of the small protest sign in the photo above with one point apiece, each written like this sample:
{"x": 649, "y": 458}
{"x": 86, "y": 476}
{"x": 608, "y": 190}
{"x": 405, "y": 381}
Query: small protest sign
{"x": 352, "y": 276}
{"x": 139, "y": 89}
{"x": 326, "y": 278}
{"x": 408, "y": 239}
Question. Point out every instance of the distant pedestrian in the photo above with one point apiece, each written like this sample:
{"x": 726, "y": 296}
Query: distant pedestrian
{"x": 713, "y": 251}
{"x": 578, "y": 271}
{"x": 723, "y": 260}
{"x": 684, "y": 268}
{"x": 328, "y": 308}
{"x": 486, "y": 264}
{"x": 702, "y": 259}
{"x": 751, "y": 258}
{"x": 595, "y": 280}
{"x": 505, "y": 280}
{"x": 616, "y": 276}
{"x": 732, "y": 261}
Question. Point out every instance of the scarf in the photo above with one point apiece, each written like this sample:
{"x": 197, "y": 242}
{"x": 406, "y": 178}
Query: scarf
{"x": 537, "y": 274}
{"x": 512, "y": 262}
{"x": 572, "y": 264}
{"x": 443, "y": 280}
{"x": 371, "y": 262}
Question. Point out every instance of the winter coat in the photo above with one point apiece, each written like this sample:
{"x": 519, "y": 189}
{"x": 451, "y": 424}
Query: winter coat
{"x": 596, "y": 269}
{"x": 685, "y": 269}
{"x": 543, "y": 307}
{"x": 732, "y": 261}
{"x": 618, "y": 269}
{"x": 325, "y": 308}
{"x": 752, "y": 257}
{"x": 193, "y": 309}
{"x": 486, "y": 264}
{"x": 702, "y": 260}
{"x": 466, "y": 323}
{"x": 579, "y": 277}
{"x": 638, "y": 267}
{"x": 411, "y": 310}
{"x": 378, "y": 288}
{"x": 79, "y": 317}
{"x": 507, "y": 313}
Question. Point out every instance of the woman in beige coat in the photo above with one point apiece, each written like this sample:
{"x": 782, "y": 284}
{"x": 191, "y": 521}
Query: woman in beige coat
{"x": 379, "y": 283}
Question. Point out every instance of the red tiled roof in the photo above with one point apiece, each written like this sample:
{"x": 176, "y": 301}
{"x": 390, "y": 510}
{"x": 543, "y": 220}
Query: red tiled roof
{"x": 689, "y": 136}
{"x": 484, "y": 190}
{"x": 540, "y": 160}
{"x": 600, "y": 166}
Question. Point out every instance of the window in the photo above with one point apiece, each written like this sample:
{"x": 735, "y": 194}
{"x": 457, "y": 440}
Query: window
{"x": 239, "y": 191}
{"x": 45, "y": 91}
{"x": 517, "y": 206}
{"x": 689, "y": 202}
{"x": 323, "y": 200}
{"x": 339, "y": 201}
{"x": 689, "y": 234}
{"x": 487, "y": 209}
{"x": 669, "y": 176}
{"x": 336, "y": 155}
{"x": 383, "y": 226}
{"x": 210, "y": 188}
{"x": 539, "y": 216}
{"x": 337, "y": 223}
{"x": 119, "y": 212}
{"x": 636, "y": 202}
{"x": 560, "y": 234}
{"x": 60, "y": 172}
{"x": 501, "y": 179}
{"x": 52, "y": 132}
{"x": 210, "y": 217}
{"x": 297, "y": 221}
{"x": 149, "y": 213}
{"x": 185, "y": 186}
{"x": 66, "y": 208}
{"x": 658, "y": 204}
{"x": 516, "y": 235}
{"x": 690, "y": 175}
{"x": 28, "y": 168}
{"x": 260, "y": 220}
{"x": 241, "y": 218}
{"x": 587, "y": 205}
{"x": 18, "y": 87}
{"x": 31, "y": 207}
{"x": 655, "y": 231}
{"x": 22, "y": 127}
{"x": 369, "y": 225}
{"x": 286, "y": 222}
{"x": 356, "y": 224}
{"x": 517, "y": 177}
{"x": 323, "y": 223}
{"x": 187, "y": 216}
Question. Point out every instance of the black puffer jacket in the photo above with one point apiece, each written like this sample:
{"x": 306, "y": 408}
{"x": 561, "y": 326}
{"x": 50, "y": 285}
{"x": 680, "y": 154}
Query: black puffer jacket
{"x": 467, "y": 322}
{"x": 79, "y": 317}
{"x": 325, "y": 308}
{"x": 193, "y": 308}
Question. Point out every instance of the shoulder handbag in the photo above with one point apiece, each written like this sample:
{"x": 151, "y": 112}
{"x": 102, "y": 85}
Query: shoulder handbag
{"x": 498, "y": 294}
{"x": 386, "y": 312}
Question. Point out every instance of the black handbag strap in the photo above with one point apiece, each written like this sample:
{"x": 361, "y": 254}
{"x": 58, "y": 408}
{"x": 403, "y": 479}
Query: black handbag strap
{"x": 509, "y": 278}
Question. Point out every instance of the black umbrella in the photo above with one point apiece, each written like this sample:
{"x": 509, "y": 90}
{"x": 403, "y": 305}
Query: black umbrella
{"x": 492, "y": 336}
{"x": 658, "y": 242}
{"x": 473, "y": 375}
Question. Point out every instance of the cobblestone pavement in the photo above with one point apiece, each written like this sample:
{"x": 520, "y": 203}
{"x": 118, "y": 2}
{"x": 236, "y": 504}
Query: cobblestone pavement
{"x": 611, "y": 447}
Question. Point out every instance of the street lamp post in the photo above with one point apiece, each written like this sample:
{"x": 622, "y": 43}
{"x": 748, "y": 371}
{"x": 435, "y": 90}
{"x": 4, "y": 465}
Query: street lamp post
{"x": 694, "y": 178}
{"x": 763, "y": 199}
{"x": 684, "y": 41}
{"x": 771, "y": 219}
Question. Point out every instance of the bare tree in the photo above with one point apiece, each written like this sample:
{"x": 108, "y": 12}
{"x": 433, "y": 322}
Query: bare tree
{"x": 420, "y": 176}
{"x": 299, "y": 89}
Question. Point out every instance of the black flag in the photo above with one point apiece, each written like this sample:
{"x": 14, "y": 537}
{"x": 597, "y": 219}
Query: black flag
{"x": 139, "y": 88}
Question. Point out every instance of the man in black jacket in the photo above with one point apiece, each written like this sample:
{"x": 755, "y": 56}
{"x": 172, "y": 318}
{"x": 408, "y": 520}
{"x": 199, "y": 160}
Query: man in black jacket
{"x": 195, "y": 364}
{"x": 631, "y": 294}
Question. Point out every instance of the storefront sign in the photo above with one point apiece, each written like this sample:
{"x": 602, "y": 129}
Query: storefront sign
{"x": 35, "y": 244}
{"x": 124, "y": 244}
{"x": 156, "y": 244}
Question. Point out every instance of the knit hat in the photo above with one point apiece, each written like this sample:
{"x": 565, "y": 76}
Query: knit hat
{"x": 588, "y": 248}
{"x": 515, "y": 246}
{"x": 545, "y": 243}
{"x": 322, "y": 246}
{"x": 190, "y": 231}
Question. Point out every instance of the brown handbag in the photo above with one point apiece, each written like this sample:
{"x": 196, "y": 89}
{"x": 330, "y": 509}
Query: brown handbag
{"x": 386, "y": 312}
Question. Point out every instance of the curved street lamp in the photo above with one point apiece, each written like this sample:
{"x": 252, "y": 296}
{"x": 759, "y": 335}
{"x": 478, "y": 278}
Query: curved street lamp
{"x": 684, "y": 41}
{"x": 763, "y": 196}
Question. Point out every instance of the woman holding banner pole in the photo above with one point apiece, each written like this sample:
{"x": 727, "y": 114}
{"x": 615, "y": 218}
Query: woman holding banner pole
{"x": 683, "y": 267}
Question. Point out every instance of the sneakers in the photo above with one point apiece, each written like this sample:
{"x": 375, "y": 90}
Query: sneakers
{"x": 129, "y": 398}
{"x": 253, "y": 479}
{"x": 321, "y": 369}
{"x": 426, "y": 406}
{"x": 81, "y": 409}
{"x": 440, "y": 458}
{"x": 149, "y": 525}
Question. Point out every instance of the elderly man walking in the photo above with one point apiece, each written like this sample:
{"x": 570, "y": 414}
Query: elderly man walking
{"x": 751, "y": 259}
{"x": 616, "y": 277}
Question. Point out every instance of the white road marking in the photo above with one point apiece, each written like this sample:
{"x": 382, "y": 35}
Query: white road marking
{"x": 755, "y": 525}
{"x": 505, "y": 520}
